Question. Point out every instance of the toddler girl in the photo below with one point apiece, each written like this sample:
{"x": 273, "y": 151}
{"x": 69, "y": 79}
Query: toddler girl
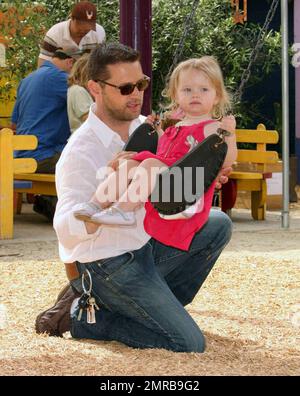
{"x": 196, "y": 87}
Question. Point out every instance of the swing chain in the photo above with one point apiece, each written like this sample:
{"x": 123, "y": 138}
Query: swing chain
{"x": 180, "y": 46}
{"x": 179, "y": 50}
{"x": 255, "y": 51}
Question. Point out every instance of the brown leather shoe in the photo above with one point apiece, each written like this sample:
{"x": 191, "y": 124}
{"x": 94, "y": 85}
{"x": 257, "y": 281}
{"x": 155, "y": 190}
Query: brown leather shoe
{"x": 56, "y": 320}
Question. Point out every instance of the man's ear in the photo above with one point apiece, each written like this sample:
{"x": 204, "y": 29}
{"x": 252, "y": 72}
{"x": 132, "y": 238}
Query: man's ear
{"x": 70, "y": 63}
{"x": 94, "y": 88}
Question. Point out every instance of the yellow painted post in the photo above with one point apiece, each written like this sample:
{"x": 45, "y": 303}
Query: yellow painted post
{"x": 259, "y": 202}
{"x": 6, "y": 184}
{"x": 261, "y": 147}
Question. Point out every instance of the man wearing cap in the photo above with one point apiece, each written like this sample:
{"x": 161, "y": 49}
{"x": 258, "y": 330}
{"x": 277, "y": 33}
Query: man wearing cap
{"x": 81, "y": 32}
{"x": 41, "y": 110}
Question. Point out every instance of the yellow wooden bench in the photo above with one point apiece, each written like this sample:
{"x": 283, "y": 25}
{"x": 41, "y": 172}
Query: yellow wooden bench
{"x": 42, "y": 183}
{"x": 18, "y": 169}
{"x": 22, "y": 169}
{"x": 259, "y": 163}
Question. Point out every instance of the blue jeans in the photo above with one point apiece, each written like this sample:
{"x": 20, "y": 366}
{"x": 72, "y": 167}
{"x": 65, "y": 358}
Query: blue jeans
{"x": 142, "y": 293}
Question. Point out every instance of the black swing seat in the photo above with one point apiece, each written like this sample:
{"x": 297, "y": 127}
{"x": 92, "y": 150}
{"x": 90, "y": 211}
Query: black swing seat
{"x": 209, "y": 155}
{"x": 143, "y": 138}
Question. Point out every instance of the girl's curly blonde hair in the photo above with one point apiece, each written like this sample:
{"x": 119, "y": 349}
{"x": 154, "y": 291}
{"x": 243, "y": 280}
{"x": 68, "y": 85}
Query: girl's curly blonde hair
{"x": 210, "y": 67}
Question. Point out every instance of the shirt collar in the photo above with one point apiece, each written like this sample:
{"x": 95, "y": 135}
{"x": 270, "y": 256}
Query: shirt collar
{"x": 48, "y": 63}
{"x": 51, "y": 65}
{"x": 67, "y": 34}
{"x": 106, "y": 134}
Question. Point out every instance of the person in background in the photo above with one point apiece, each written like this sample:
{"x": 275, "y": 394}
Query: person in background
{"x": 79, "y": 99}
{"x": 41, "y": 110}
{"x": 79, "y": 33}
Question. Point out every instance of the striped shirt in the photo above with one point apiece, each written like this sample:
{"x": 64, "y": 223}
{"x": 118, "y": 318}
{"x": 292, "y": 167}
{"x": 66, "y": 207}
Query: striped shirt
{"x": 58, "y": 36}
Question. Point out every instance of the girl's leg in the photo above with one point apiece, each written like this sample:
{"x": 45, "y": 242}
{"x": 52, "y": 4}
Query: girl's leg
{"x": 142, "y": 184}
{"x": 137, "y": 193}
{"x": 115, "y": 184}
{"x": 107, "y": 192}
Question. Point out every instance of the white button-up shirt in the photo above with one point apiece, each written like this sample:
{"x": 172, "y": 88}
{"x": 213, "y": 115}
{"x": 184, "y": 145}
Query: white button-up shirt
{"x": 89, "y": 149}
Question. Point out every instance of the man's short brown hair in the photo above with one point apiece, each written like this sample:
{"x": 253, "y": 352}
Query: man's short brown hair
{"x": 109, "y": 54}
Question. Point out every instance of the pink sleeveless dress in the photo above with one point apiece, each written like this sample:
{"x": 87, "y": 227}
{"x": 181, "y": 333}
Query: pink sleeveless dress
{"x": 172, "y": 146}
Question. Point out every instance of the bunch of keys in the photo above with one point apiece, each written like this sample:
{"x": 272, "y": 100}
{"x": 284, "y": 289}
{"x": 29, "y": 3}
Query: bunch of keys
{"x": 91, "y": 316}
{"x": 86, "y": 301}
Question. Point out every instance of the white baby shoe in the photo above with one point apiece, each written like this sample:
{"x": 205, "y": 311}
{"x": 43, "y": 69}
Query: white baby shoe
{"x": 86, "y": 210}
{"x": 114, "y": 215}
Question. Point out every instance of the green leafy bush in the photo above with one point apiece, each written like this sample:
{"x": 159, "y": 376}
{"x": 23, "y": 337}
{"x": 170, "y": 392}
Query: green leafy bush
{"x": 212, "y": 32}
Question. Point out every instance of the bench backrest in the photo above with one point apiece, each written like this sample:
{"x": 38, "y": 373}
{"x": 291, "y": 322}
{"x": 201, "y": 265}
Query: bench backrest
{"x": 261, "y": 137}
{"x": 10, "y": 142}
{"x": 8, "y": 167}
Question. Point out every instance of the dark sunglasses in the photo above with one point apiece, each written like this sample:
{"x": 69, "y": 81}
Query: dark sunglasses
{"x": 127, "y": 89}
